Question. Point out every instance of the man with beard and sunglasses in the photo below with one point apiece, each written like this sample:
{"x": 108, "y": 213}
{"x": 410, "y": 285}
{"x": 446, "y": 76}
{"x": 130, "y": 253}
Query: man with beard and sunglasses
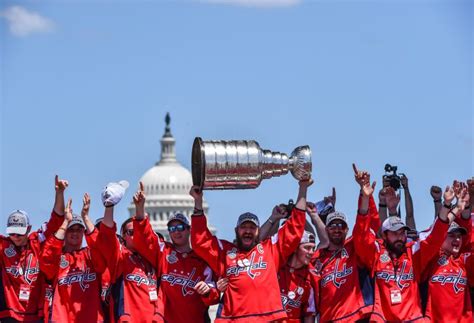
{"x": 345, "y": 290}
{"x": 396, "y": 265}
{"x": 22, "y": 285}
{"x": 448, "y": 274}
{"x": 251, "y": 266}
{"x": 186, "y": 286}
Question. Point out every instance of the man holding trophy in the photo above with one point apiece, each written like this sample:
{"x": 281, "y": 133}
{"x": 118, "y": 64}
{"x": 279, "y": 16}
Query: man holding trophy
{"x": 250, "y": 265}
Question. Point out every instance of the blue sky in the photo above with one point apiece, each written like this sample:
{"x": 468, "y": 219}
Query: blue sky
{"x": 86, "y": 85}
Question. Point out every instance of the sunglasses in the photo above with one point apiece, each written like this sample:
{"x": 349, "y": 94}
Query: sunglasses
{"x": 337, "y": 225}
{"x": 16, "y": 235}
{"x": 129, "y": 232}
{"x": 178, "y": 227}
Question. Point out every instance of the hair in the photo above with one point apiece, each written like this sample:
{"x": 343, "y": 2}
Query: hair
{"x": 124, "y": 225}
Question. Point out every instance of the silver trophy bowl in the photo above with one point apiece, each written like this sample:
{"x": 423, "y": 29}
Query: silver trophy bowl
{"x": 242, "y": 164}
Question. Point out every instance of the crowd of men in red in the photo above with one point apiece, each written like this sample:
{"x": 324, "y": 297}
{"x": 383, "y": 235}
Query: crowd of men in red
{"x": 270, "y": 272}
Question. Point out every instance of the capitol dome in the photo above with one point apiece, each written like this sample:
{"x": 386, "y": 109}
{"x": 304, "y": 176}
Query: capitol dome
{"x": 167, "y": 186}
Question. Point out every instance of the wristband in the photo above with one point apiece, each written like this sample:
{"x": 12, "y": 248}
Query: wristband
{"x": 382, "y": 205}
{"x": 437, "y": 201}
{"x": 198, "y": 211}
{"x": 448, "y": 206}
{"x": 271, "y": 221}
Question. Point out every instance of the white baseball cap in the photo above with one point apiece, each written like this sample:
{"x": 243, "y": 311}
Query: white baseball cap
{"x": 113, "y": 193}
{"x": 393, "y": 223}
{"x": 18, "y": 222}
{"x": 336, "y": 215}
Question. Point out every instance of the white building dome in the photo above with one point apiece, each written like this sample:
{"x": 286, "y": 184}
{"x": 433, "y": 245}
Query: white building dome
{"x": 167, "y": 186}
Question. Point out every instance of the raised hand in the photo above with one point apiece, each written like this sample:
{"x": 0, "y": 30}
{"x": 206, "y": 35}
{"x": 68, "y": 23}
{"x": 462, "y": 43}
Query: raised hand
{"x": 382, "y": 194}
{"x": 463, "y": 199}
{"x": 470, "y": 186}
{"x": 139, "y": 197}
{"x": 332, "y": 198}
{"x": 448, "y": 195}
{"x": 197, "y": 195}
{"x": 306, "y": 183}
{"x": 436, "y": 193}
{"x": 392, "y": 198}
{"x": 68, "y": 211}
{"x": 279, "y": 212}
{"x": 86, "y": 203}
{"x": 363, "y": 179}
{"x": 311, "y": 209}
{"x": 404, "y": 181}
{"x": 202, "y": 288}
{"x": 60, "y": 184}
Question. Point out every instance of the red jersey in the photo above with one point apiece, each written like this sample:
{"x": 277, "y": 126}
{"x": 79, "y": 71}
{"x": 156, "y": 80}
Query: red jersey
{"x": 345, "y": 286}
{"x": 345, "y": 289}
{"x": 397, "y": 296}
{"x": 135, "y": 290}
{"x": 448, "y": 291}
{"x": 22, "y": 284}
{"x": 178, "y": 274}
{"x": 297, "y": 293}
{"x": 76, "y": 281}
{"x": 253, "y": 293}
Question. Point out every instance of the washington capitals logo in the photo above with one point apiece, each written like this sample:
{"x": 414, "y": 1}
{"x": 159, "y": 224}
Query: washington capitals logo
{"x": 458, "y": 281}
{"x": 286, "y": 301}
{"x": 141, "y": 279}
{"x": 249, "y": 267}
{"x": 187, "y": 282}
{"x": 82, "y": 278}
{"x": 337, "y": 277}
{"x": 30, "y": 272}
{"x": 402, "y": 279}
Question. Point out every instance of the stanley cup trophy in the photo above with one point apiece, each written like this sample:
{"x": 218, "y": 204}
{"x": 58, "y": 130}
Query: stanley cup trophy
{"x": 241, "y": 164}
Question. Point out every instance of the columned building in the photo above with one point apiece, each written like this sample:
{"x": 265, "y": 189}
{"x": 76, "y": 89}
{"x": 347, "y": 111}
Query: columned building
{"x": 167, "y": 186}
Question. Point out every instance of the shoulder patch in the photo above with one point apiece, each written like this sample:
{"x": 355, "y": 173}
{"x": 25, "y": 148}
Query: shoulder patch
{"x": 171, "y": 258}
{"x": 443, "y": 260}
{"x": 260, "y": 248}
{"x": 10, "y": 251}
{"x": 384, "y": 258}
{"x": 63, "y": 263}
{"x": 232, "y": 253}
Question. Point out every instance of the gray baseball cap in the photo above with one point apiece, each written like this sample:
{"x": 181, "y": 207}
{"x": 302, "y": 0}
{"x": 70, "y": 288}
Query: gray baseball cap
{"x": 454, "y": 227}
{"x": 248, "y": 217}
{"x": 18, "y": 222}
{"x": 393, "y": 223}
{"x": 76, "y": 219}
{"x": 178, "y": 217}
{"x": 336, "y": 215}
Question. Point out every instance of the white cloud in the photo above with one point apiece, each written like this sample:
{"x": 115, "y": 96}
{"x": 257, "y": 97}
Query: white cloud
{"x": 256, "y": 3}
{"x": 22, "y": 22}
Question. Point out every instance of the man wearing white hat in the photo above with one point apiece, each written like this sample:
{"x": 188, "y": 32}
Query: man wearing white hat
{"x": 22, "y": 284}
{"x": 396, "y": 265}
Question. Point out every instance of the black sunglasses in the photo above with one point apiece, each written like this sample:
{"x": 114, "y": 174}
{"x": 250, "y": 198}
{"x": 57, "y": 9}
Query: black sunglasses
{"x": 178, "y": 227}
